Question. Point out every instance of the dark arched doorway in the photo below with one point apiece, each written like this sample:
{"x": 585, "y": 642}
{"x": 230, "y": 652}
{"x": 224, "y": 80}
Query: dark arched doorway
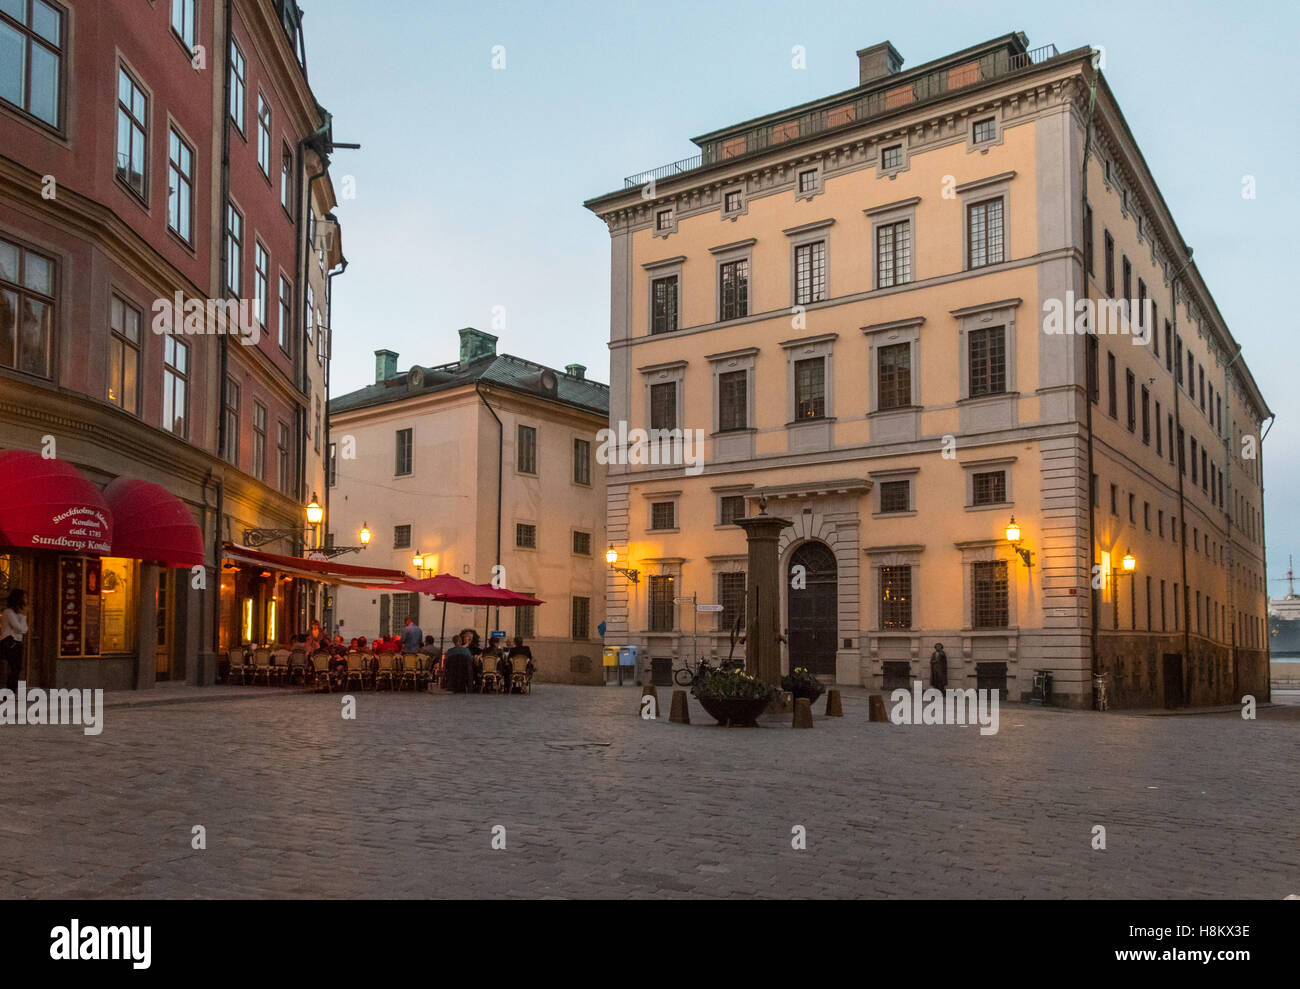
{"x": 812, "y": 612}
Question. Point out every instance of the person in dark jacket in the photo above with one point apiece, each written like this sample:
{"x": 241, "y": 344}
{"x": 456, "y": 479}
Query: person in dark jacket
{"x": 459, "y": 663}
{"x": 939, "y": 668}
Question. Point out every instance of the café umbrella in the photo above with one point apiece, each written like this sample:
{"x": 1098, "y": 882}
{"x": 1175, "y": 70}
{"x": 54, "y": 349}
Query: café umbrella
{"x": 448, "y": 588}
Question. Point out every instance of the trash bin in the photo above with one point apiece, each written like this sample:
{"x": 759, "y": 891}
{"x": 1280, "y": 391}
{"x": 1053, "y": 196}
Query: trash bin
{"x": 1042, "y": 694}
{"x": 609, "y": 662}
{"x": 627, "y": 660}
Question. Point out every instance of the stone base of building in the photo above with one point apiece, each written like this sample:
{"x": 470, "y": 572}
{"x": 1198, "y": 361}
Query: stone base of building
{"x": 1153, "y": 671}
{"x": 567, "y": 661}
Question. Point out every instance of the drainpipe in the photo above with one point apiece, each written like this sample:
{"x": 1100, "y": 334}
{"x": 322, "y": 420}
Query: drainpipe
{"x": 329, "y": 357}
{"x": 1263, "y": 552}
{"x": 478, "y": 386}
{"x": 1226, "y": 392}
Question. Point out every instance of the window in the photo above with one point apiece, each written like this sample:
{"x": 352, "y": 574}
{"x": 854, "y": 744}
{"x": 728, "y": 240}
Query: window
{"x": 525, "y": 535}
{"x": 232, "y": 421}
{"x": 1130, "y": 400}
{"x": 730, "y": 508}
{"x": 582, "y": 543}
{"x": 403, "y": 465}
{"x": 234, "y": 249}
{"x": 176, "y": 359}
{"x": 1194, "y": 475}
{"x": 286, "y": 179}
{"x": 733, "y": 401}
{"x": 1200, "y": 372}
{"x": 988, "y": 361}
{"x": 810, "y": 273}
{"x": 731, "y": 202}
{"x": 893, "y": 254}
{"x": 309, "y": 315}
{"x": 262, "y": 283}
{"x": 1126, "y": 270}
{"x": 896, "y": 496}
{"x": 663, "y": 405}
{"x": 238, "y": 70}
{"x": 132, "y": 134}
{"x": 31, "y": 58}
{"x": 1160, "y": 452}
{"x": 891, "y": 157}
{"x": 1178, "y": 360}
{"x": 662, "y": 592}
{"x": 526, "y": 447}
{"x": 259, "y": 441}
{"x": 1146, "y": 416}
{"x": 1191, "y": 374}
{"x": 808, "y": 180}
{"x": 1091, "y": 349}
{"x": 894, "y": 374}
{"x": 1169, "y": 350}
{"x": 989, "y": 488}
{"x": 734, "y": 289}
{"x": 332, "y": 467}
{"x": 1110, "y": 265}
{"x": 731, "y": 595}
{"x": 183, "y": 21}
{"x": 264, "y": 135}
{"x": 402, "y": 536}
{"x": 985, "y": 130}
{"x": 524, "y": 626}
{"x": 124, "y": 356}
{"x": 810, "y": 388}
{"x": 1088, "y": 258}
{"x": 895, "y": 597}
{"x": 1142, "y": 310}
{"x": 1112, "y": 400}
{"x": 663, "y": 515}
{"x": 286, "y": 312}
{"x": 283, "y": 480}
{"x": 984, "y": 233}
{"x": 180, "y": 187}
{"x": 1132, "y": 512}
{"x": 26, "y": 309}
{"x": 663, "y": 296}
{"x": 664, "y": 219}
{"x": 581, "y": 618}
{"x": 989, "y": 583}
{"x": 1114, "y": 499}
{"x": 581, "y": 462}
{"x": 318, "y": 431}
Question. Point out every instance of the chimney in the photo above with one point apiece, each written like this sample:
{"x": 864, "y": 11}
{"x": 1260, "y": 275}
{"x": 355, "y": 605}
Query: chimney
{"x": 385, "y": 365}
{"x": 575, "y": 370}
{"x": 475, "y": 344}
{"x": 877, "y": 62}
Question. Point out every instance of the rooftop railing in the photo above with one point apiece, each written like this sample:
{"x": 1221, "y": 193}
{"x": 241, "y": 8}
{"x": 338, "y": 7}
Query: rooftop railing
{"x": 931, "y": 86}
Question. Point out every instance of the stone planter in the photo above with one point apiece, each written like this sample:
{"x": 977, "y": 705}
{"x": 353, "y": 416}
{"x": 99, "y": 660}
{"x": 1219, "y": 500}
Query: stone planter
{"x": 735, "y": 713}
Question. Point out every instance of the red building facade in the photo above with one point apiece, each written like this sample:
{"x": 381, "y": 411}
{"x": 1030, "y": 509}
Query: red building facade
{"x": 154, "y": 151}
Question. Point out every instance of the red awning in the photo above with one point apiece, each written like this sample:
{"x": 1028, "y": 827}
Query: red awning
{"x": 48, "y": 504}
{"x": 151, "y": 523}
{"x": 449, "y": 588}
{"x": 326, "y": 571}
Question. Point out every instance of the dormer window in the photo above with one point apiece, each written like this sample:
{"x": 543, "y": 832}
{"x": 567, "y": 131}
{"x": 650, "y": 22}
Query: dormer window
{"x": 892, "y": 157}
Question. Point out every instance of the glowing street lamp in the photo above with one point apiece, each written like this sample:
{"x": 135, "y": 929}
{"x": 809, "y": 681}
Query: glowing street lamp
{"x": 611, "y": 557}
{"x": 314, "y": 512}
{"x": 364, "y": 534}
{"x": 1013, "y": 537}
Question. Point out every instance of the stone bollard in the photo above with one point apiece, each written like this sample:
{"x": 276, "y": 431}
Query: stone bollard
{"x": 834, "y": 707}
{"x": 681, "y": 712}
{"x": 786, "y": 701}
{"x": 649, "y": 690}
{"x": 877, "y": 708}
{"x": 803, "y": 713}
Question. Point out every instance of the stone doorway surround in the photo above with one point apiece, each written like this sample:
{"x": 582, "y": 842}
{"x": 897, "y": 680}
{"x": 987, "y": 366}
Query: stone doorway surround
{"x": 829, "y": 512}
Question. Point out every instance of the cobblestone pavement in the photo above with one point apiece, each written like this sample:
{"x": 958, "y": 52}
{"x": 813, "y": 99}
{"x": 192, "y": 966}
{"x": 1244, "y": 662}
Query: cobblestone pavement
{"x": 596, "y": 802}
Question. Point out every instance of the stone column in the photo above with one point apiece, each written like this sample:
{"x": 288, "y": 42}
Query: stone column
{"x": 146, "y": 666}
{"x": 763, "y": 595}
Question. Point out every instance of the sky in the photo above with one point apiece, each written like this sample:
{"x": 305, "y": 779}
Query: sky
{"x": 470, "y": 181}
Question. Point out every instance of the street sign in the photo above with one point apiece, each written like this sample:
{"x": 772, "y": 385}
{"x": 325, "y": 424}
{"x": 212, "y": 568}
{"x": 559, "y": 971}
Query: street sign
{"x": 498, "y": 633}
{"x": 708, "y": 607}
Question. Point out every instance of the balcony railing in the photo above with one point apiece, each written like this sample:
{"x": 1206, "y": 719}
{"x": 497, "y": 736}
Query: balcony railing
{"x": 923, "y": 89}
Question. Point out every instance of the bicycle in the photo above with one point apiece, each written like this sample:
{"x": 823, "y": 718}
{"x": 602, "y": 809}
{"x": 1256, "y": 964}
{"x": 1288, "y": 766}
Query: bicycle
{"x": 685, "y": 676}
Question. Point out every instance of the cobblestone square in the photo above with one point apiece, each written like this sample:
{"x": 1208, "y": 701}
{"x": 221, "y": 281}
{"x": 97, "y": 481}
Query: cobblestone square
{"x": 595, "y": 802}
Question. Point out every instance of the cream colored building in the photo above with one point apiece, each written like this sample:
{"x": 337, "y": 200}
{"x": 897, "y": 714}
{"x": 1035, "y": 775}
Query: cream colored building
{"x": 418, "y": 458}
{"x": 852, "y": 300}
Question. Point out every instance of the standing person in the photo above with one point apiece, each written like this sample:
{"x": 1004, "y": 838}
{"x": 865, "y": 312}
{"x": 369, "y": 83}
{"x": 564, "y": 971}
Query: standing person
{"x": 314, "y": 639}
{"x": 938, "y": 668}
{"x": 13, "y": 626}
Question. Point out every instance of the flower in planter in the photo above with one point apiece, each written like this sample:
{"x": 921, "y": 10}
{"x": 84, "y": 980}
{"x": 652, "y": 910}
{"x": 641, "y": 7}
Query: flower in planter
{"x": 731, "y": 685}
{"x": 802, "y": 683}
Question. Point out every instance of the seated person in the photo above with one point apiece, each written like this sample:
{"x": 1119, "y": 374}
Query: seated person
{"x": 519, "y": 649}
